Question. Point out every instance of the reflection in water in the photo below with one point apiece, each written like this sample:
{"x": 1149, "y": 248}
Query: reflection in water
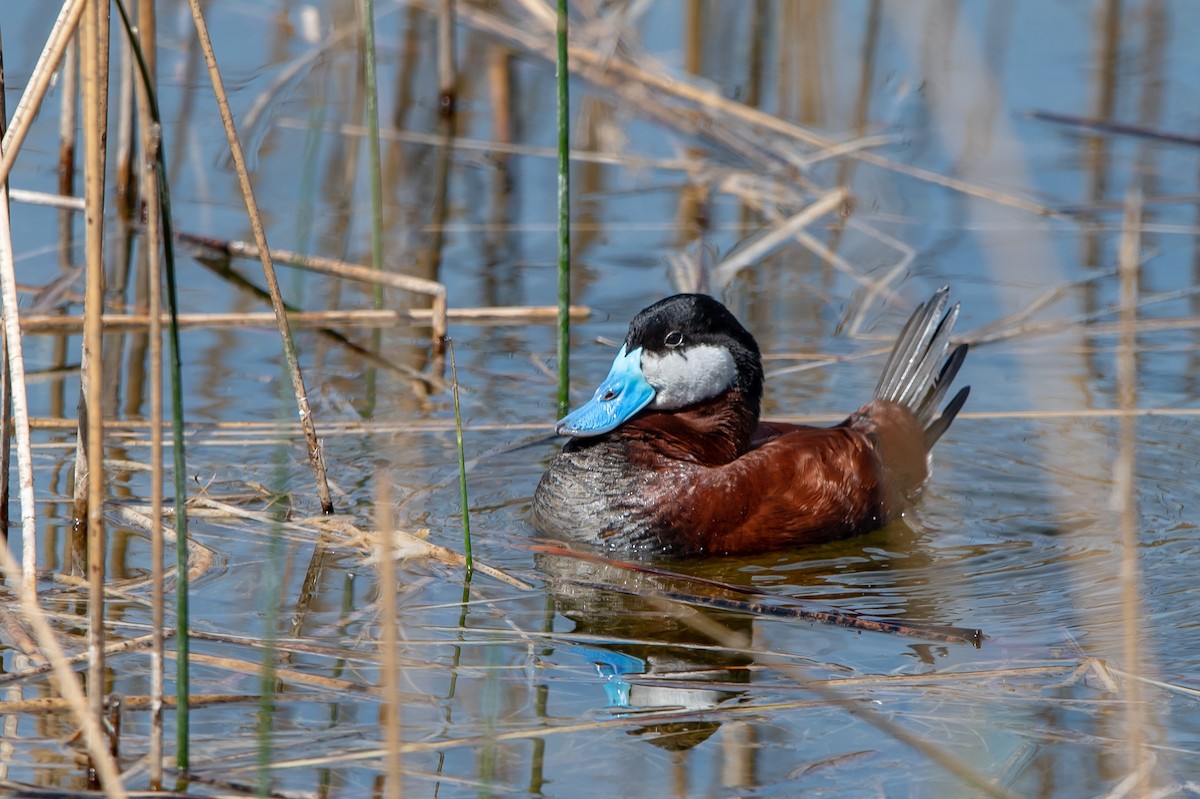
{"x": 658, "y": 663}
{"x": 660, "y": 660}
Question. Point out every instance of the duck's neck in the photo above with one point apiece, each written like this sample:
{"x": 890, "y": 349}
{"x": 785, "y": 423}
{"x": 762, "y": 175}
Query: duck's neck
{"x": 712, "y": 432}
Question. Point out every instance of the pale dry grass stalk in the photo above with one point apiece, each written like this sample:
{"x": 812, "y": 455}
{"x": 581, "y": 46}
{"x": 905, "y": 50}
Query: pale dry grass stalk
{"x": 199, "y": 559}
{"x": 799, "y": 232}
{"x": 331, "y": 266}
{"x": 56, "y": 323}
{"x": 15, "y": 378}
{"x": 67, "y": 133}
{"x": 610, "y": 70}
{"x": 315, "y": 454}
{"x": 39, "y": 81}
{"x": 496, "y": 147}
{"x": 62, "y": 201}
{"x": 5, "y": 375}
{"x": 447, "y": 80}
{"x": 408, "y": 545}
{"x": 89, "y": 462}
{"x": 126, "y": 645}
{"x": 54, "y": 704}
{"x": 68, "y": 682}
{"x": 389, "y": 665}
{"x": 148, "y": 174}
{"x": 1124, "y": 493}
{"x": 127, "y": 174}
{"x": 506, "y": 315}
{"x": 776, "y": 236}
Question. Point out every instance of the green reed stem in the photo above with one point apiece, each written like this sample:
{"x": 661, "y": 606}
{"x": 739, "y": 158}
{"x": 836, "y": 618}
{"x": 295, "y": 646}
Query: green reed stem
{"x": 462, "y": 463}
{"x": 374, "y": 168}
{"x": 564, "y": 216}
{"x": 182, "y": 646}
{"x": 373, "y": 143}
{"x": 271, "y": 588}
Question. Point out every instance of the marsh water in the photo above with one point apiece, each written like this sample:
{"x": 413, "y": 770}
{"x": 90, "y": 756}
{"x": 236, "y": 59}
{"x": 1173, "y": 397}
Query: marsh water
{"x": 589, "y": 684}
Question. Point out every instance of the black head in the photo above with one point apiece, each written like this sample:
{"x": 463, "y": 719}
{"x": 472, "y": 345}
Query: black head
{"x": 679, "y": 352}
{"x": 693, "y": 349}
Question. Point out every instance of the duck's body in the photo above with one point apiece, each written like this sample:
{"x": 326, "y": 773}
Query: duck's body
{"x": 670, "y": 457}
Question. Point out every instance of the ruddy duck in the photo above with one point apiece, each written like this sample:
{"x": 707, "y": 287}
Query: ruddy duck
{"x": 669, "y": 456}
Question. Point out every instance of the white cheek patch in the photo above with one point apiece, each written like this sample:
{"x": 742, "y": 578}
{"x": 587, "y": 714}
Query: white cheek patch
{"x": 680, "y": 379}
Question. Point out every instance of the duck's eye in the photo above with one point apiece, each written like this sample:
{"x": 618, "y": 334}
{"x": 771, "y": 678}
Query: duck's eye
{"x": 674, "y": 339}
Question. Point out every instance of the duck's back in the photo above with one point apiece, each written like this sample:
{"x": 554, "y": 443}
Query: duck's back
{"x": 641, "y": 492}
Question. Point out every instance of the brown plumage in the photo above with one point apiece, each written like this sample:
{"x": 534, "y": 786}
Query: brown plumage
{"x": 697, "y": 472}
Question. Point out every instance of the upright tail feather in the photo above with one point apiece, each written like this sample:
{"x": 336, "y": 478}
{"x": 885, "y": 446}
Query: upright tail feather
{"x": 918, "y": 373}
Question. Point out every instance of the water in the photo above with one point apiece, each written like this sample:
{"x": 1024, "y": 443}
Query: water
{"x": 569, "y": 690}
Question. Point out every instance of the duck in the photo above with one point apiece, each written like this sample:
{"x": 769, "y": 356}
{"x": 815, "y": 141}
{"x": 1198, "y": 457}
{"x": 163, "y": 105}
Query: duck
{"x": 669, "y": 457}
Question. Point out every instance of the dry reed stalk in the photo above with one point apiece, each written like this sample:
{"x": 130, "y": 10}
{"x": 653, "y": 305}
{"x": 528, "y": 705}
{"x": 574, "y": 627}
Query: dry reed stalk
{"x": 62, "y": 201}
{"x": 53, "y": 704}
{"x": 1124, "y": 495}
{"x": 1166, "y": 686}
{"x": 447, "y": 90}
{"x": 496, "y": 147}
{"x": 509, "y": 314}
{"x": 67, "y": 144}
{"x": 151, "y": 242}
{"x": 6, "y": 422}
{"x": 68, "y": 682}
{"x": 54, "y": 323}
{"x": 294, "y": 676}
{"x": 67, "y": 133}
{"x": 89, "y": 461}
{"x": 17, "y": 635}
{"x": 336, "y": 268}
{"x": 349, "y": 654}
{"x": 874, "y": 286}
{"x": 39, "y": 81}
{"x": 787, "y": 229}
{"x": 15, "y": 390}
{"x": 127, "y": 174}
{"x": 199, "y": 557}
{"x": 316, "y": 455}
{"x": 126, "y": 645}
{"x": 15, "y": 377}
{"x": 410, "y": 546}
{"x": 516, "y": 315}
{"x": 389, "y": 644}
{"x": 611, "y": 70}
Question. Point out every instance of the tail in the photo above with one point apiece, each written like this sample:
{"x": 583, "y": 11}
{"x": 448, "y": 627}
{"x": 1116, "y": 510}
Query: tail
{"x": 919, "y": 372}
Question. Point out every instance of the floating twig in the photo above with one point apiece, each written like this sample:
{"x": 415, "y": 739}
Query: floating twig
{"x": 944, "y": 634}
{"x": 1112, "y": 126}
